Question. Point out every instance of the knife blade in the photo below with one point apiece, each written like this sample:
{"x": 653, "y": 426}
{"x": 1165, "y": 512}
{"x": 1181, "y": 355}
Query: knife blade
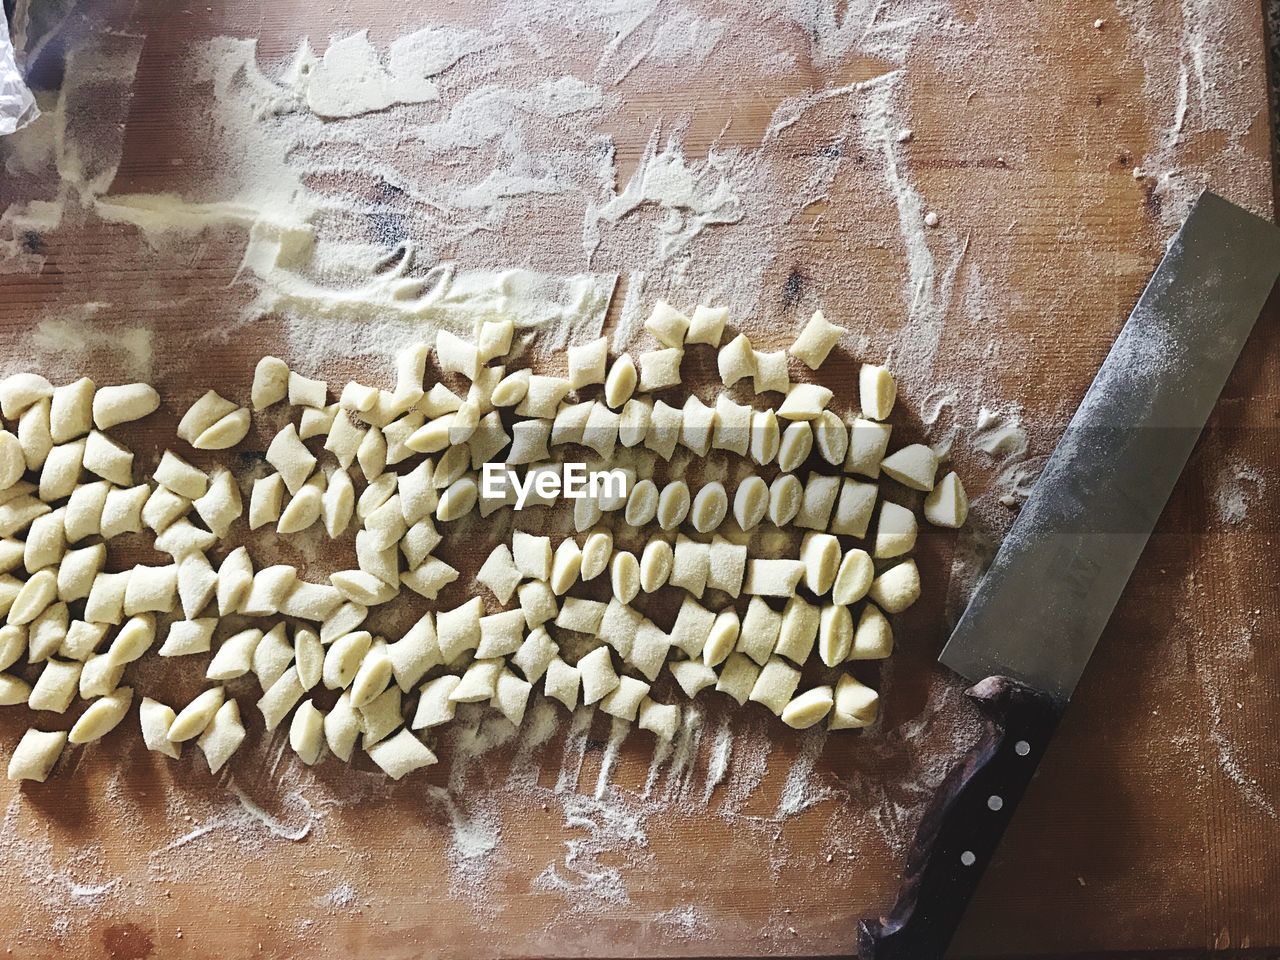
{"x": 1032, "y": 624}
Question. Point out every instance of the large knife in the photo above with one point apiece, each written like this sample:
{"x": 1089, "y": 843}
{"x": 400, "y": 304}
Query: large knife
{"x": 1038, "y": 613}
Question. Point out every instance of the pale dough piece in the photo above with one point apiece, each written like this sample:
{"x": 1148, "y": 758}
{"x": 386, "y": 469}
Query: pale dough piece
{"x": 511, "y": 696}
{"x": 511, "y": 389}
{"x": 35, "y": 755}
{"x": 494, "y": 339}
{"x": 816, "y": 340}
{"x": 773, "y": 578}
{"x": 624, "y": 700}
{"x": 648, "y": 649}
{"x": 597, "y": 549}
{"x": 308, "y": 658}
{"x": 372, "y": 677}
{"x": 693, "y": 676}
{"x": 343, "y": 440}
{"x": 656, "y": 561}
{"x": 265, "y": 501}
{"x": 660, "y": 369}
{"x": 223, "y": 736}
{"x": 56, "y": 686}
{"x": 81, "y": 641}
{"x": 192, "y": 719}
{"x": 46, "y": 541}
{"x": 667, "y": 325}
{"x": 853, "y": 510}
{"x": 37, "y": 593}
{"x": 543, "y": 397}
{"x": 709, "y": 507}
{"x": 947, "y": 504}
{"x": 272, "y": 656}
{"x": 162, "y": 508}
{"x": 597, "y": 673}
{"x": 533, "y": 555}
{"x": 835, "y": 634}
{"x": 105, "y": 603}
{"x": 854, "y": 577}
{"x": 291, "y": 459}
{"x": 358, "y": 397}
{"x": 663, "y": 433}
{"x": 61, "y": 471}
{"x": 809, "y": 708}
{"x": 624, "y": 576}
{"x": 457, "y": 500}
{"x": 563, "y": 682}
{"x": 458, "y": 630}
{"x": 750, "y": 502}
{"x": 501, "y": 634}
{"x": 775, "y": 685}
{"x": 226, "y": 432}
{"x": 913, "y": 466}
{"x": 770, "y": 372}
{"x": 816, "y": 504}
{"x": 414, "y": 653}
{"x": 877, "y": 392}
{"x": 456, "y": 355}
{"x": 221, "y": 505}
{"x": 587, "y": 363}
{"x": 13, "y": 644}
{"x": 820, "y": 553}
{"x": 479, "y": 682}
{"x": 732, "y": 426}
{"x": 435, "y": 708}
{"x": 270, "y": 382}
{"x": 318, "y": 422}
{"x": 133, "y": 639}
{"x": 48, "y": 632}
{"x": 535, "y": 654}
{"x": 342, "y": 728}
{"x": 418, "y": 496}
{"x": 897, "y": 588}
{"x": 13, "y": 690}
{"x": 873, "y": 639}
{"x": 726, "y": 566}
{"x": 529, "y": 441}
{"x": 500, "y": 574}
{"x": 697, "y": 426}
{"x": 101, "y": 716}
{"x": 707, "y": 325}
{"x": 795, "y": 446}
{"x": 537, "y": 602}
{"x": 856, "y": 705}
{"x": 738, "y": 677}
{"x": 71, "y": 410}
{"x": 673, "y": 504}
{"x": 600, "y": 432}
{"x": 799, "y": 630}
{"x": 692, "y": 627}
{"x": 122, "y": 513}
{"x": 642, "y": 503}
{"x": 306, "y": 732}
{"x": 101, "y": 675}
{"x": 760, "y": 628}
{"x": 691, "y": 564}
{"x": 831, "y": 438}
{"x": 785, "y": 496}
{"x": 203, "y": 414}
{"x": 155, "y": 719}
{"x": 19, "y": 391}
{"x": 311, "y": 601}
{"x": 304, "y": 507}
{"x": 736, "y": 360}
{"x": 271, "y": 585}
{"x": 438, "y": 401}
{"x": 380, "y": 717}
{"x": 723, "y": 639}
{"x": 344, "y": 620}
{"x": 432, "y": 437}
{"x": 581, "y": 615}
{"x": 372, "y": 453}
{"x": 108, "y": 459}
{"x": 896, "y": 531}
{"x": 306, "y": 392}
{"x": 34, "y": 435}
{"x": 804, "y": 401}
{"x": 662, "y": 719}
{"x": 633, "y": 424}
{"x": 235, "y": 655}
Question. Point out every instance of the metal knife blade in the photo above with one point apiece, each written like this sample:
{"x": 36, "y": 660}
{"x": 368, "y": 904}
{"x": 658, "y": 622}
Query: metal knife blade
{"x": 1038, "y": 612}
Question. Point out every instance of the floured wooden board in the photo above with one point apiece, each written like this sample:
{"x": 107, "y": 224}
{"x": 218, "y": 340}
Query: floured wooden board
{"x": 184, "y": 210}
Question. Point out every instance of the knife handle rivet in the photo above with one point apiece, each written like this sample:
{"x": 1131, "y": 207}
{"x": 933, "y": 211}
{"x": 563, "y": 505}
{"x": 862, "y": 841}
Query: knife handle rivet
{"x": 1022, "y": 748}
{"x": 994, "y": 802}
{"x": 968, "y": 859}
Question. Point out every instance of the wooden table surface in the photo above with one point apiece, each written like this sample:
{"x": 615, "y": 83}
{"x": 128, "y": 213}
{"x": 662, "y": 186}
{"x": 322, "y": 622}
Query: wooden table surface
{"x": 1154, "y": 823}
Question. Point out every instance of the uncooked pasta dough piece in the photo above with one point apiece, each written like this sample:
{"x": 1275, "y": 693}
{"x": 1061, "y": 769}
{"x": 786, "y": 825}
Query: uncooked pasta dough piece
{"x": 122, "y": 513}
{"x": 479, "y": 682}
{"x": 543, "y": 397}
{"x": 494, "y": 339}
{"x": 56, "y": 686}
{"x": 600, "y": 432}
{"x": 809, "y": 707}
{"x": 281, "y": 697}
{"x": 291, "y": 459}
{"x": 501, "y": 634}
{"x": 876, "y": 392}
{"x": 581, "y": 615}
{"x": 192, "y": 719}
{"x": 692, "y": 627}
{"x": 913, "y": 466}
{"x": 623, "y": 701}
{"x": 855, "y": 705}
{"x": 235, "y": 655}
{"x": 342, "y": 728}
{"x": 691, "y": 564}
{"x": 221, "y": 505}
{"x": 186, "y": 637}
{"x": 804, "y": 401}
{"x": 723, "y": 638}
{"x": 35, "y": 755}
{"x": 123, "y": 404}
{"x": 270, "y": 382}
{"x": 511, "y": 696}
{"x": 155, "y": 719}
{"x": 306, "y": 732}
{"x": 61, "y": 471}
{"x": 101, "y": 717}
{"x": 535, "y": 654}
{"x": 318, "y": 422}
{"x": 597, "y": 549}
{"x": 46, "y": 541}
{"x": 750, "y": 502}
{"x": 663, "y": 433}
{"x": 897, "y": 588}
{"x": 458, "y": 500}
{"x": 853, "y": 509}
{"x": 662, "y": 719}
{"x": 697, "y": 426}
{"x": 896, "y": 531}
{"x": 642, "y": 503}
{"x": 151, "y": 589}
{"x": 456, "y": 355}
{"x": 308, "y": 658}
{"x": 624, "y": 576}
{"x": 707, "y": 325}
{"x": 673, "y": 505}
{"x": 820, "y": 553}
{"x": 854, "y": 577}
{"x": 760, "y": 628}
{"x": 648, "y": 649}
{"x": 105, "y": 603}
{"x": 660, "y": 369}
{"x": 265, "y": 500}
{"x": 20, "y": 391}
{"x": 71, "y": 410}
{"x": 736, "y": 360}
{"x": 223, "y": 736}
{"x": 816, "y": 340}
{"x": 203, "y": 414}
{"x": 770, "y": 374}
{"x": 773, "y": 578}
{"x": 667, "y": 325}
{"x": 343, "y": 440}
{"x": 101, "y": 675}
{"x": 709, "y": 507}
{"x": 795, "y": 446}
{"x": 835, "y": 634}
{"x": 563, "y": 682}
{"x": 587, "y": 363}
{"x": 511, "y": 389}
{"x": 633, "y": 424}
{"x": 947, "y": 504}
{"x": 435, "y": 706}
{"x": 693, "y": 676}
{"x": 785, "y": 496}
{"x": 500, "y": 574}
{"x": 597, "y": 674}
{"x": 37, "y": 593}
{"x": 732, "y": 426}
{"x": 873, "y": 639}
{"x": 799, "y": 630}
{"x": 775, "y": 685}
{"x": 737, "y": 677}
{"x": 12, "y": 462}
{"x": 831, "y": 438}
{"x": 868, "y": 442}
{"x": 816, "y": 504}
{"x": 458, "y": 630}
{"x": 656, "y": 562}
{"x": 34, "y": 435}
{"x": 225, "y": 432}
{"x": 162, "y": 508}
{"x": 726, "y": 566}
{"x": 372, "y": 677}
{"x": 537, "y": 602}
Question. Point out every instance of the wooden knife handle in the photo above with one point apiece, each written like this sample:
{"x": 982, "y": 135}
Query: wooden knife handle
{"x": 960, "y": 831}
